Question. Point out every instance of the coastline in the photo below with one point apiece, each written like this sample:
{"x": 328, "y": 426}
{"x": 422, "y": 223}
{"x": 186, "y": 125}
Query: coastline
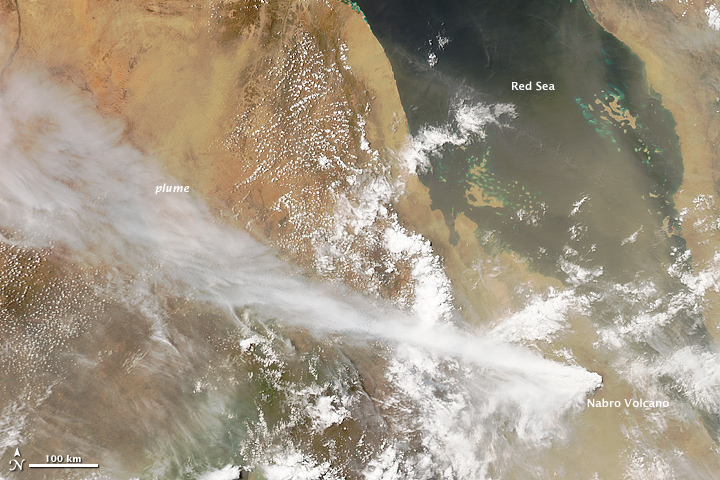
{"x": 676, "y": 46}
{"x": 211, "y": 133}
{"x": 207, "y": 91}
{"x": 204, "y": 101}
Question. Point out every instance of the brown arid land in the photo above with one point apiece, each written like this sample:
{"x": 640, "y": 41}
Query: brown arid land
{"x": 283, "y": 116}
{"x": 681, "y": 53}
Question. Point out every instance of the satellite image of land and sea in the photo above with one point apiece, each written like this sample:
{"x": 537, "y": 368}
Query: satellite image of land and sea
{"x": 370, "y": 240}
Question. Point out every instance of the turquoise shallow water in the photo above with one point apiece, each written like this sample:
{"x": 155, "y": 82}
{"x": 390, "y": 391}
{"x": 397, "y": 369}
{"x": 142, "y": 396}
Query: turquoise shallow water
{"x": 188, "y": 351}
{"x": 577, "y": 178}
{"x": 600, "y": 133}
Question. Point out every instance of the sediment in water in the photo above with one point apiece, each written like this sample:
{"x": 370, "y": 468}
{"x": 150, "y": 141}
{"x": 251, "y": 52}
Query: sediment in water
{"x": 679, "y": 50}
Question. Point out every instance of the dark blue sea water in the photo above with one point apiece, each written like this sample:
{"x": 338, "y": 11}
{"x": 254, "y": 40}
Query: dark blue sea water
{"x": 186, "y": 350}
{"x": 578, "y": 179}
{"x": 559, "y": 148}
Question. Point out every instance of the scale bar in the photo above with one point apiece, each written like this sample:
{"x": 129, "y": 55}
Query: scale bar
{"x": 63, "y": 465}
